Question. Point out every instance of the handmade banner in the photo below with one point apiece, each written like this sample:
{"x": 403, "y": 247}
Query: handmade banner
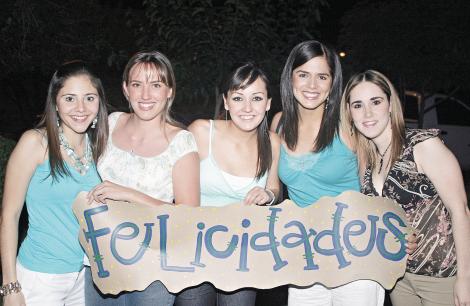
{"x": 333, "y": 242}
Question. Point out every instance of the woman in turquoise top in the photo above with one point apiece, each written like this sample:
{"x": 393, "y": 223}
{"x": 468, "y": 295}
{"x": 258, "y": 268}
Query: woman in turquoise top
{"x": 316, "y": 158}
{"x": 239, "y": 160}
{"x": 49, "y": 166}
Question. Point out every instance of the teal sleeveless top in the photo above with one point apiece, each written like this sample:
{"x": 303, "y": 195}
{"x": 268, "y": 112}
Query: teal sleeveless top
{"x": 51, "y": 244}
{"x": 216, "y": 190}
{"x": 310, "y": 176}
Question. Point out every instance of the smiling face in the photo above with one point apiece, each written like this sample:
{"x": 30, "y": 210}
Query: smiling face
{"x": 370, "y": 110}
{"x": 311, "y": 82}
{"x": 146, "y": 92}
{"x": 77, "y": 104}
{"x": 248, "y": 106}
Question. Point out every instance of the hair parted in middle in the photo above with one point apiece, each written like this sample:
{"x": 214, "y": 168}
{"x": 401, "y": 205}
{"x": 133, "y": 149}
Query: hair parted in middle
{"x": 364, "y": 147}
{"x": 155, "y": 63}
{"x": 289, "y": 122}
{"x": 240, "y": 77}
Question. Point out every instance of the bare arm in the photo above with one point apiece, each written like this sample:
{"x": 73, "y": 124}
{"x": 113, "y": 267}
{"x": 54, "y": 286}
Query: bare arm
{"x": 275, "y": 122}
{"x": 24, "y": 159}
{"x": 447, "y": 178}
{"x": 186, "y": 180}
{"x": 200, "y": 130}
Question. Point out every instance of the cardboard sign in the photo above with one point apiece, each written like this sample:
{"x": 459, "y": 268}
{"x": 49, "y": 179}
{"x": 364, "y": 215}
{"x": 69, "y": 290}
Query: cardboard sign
{"x": 333, "y": 242}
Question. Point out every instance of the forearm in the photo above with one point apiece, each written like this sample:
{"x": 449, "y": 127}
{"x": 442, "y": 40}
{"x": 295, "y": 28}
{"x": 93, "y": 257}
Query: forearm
{"x": 142, "y": 198}
{"x": 461, "y": 232}
{"x": 9, "y": 245}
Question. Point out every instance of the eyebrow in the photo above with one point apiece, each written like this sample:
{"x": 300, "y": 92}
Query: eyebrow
{"x": 377, "y": 98}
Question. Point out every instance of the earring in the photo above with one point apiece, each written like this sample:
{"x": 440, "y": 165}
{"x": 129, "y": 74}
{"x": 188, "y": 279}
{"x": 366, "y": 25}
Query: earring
{"x": 326, "y": 102}
{"x": 58, "y": 121}
{"x": 93, "y": 123}
{"x": 225, "y": 115}
{"x": 352, "y": 128}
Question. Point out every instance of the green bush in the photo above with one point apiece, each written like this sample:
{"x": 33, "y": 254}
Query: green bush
{"x": 6, "y": 146}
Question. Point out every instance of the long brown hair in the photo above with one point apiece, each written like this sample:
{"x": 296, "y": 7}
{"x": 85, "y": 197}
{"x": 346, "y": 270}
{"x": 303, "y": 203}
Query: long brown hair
{"x": 98, "y": 136}
{"x": 364, "y": 147}
{"x": 289, "y": 122}
{"x": 241, "y": 77}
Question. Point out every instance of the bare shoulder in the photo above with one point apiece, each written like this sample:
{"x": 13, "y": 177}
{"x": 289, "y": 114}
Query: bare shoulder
{"x": 432, "y": 153}
{"x": 33, "y": 145}
{"x": 199, "y": 126}
{"x": 275, "y": 121}
{"x": 430, "y": 146}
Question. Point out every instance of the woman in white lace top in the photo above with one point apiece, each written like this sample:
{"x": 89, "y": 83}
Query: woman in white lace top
{"x": 149, "y": 159}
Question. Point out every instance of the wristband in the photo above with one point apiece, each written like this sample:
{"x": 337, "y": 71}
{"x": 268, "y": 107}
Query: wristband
{"x": 13, "y": 287}
{"x": 271, "y": 194}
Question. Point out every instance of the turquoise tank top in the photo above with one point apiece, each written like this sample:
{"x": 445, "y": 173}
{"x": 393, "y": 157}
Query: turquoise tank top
{"x": 310, "y": 176}
{"x": 215, "y": 190}
{"x": 51, "y": 244}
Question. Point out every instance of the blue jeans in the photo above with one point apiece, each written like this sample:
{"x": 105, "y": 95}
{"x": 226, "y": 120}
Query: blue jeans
{"x": 154, "y": 295}
{"x": 207, "y": 295}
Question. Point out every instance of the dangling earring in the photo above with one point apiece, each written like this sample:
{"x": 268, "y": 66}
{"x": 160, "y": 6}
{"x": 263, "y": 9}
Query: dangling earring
{"x": 93, "y": 123}
{"x": 58, "y": 121}
{"x": 352, "y": 128}
{"x": 326, "y": 102}
{"x": 225, "y": 115}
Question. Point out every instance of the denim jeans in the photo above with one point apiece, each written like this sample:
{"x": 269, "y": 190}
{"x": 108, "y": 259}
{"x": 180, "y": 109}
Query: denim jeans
{"x": 154, "y": 295}
{"x": 207, "y": 295}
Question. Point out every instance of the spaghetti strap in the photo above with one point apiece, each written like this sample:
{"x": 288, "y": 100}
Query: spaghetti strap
{"x": 210, "y": 136}
{"x": 112, "y": 120}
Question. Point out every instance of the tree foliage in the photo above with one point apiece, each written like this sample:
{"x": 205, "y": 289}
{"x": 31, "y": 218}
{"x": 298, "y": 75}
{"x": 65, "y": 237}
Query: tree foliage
{"x": 422, "y": 44}
{"x": 204, "y": 38}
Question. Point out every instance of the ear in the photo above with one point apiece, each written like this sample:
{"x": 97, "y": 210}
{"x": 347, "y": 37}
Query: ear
{"x": 225, "y": 103}
{"x": 268, "y": 105}
{"x": 170, "y": 92}
{"x": 124, "y": 90}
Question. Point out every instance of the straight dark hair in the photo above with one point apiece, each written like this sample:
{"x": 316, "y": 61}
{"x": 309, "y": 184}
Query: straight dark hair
{"x": 289, "y": 121}
{"x": 98, "y": 136}
{"x": 242, "y": 76}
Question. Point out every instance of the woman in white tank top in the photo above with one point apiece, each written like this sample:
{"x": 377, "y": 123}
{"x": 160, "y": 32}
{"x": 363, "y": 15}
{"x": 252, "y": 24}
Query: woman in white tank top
{"x": 239, "y": 160}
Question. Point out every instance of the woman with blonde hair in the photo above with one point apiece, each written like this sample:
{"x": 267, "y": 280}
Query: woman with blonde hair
{"x": 149, "y": 159}
{"x": 414, "y": 168}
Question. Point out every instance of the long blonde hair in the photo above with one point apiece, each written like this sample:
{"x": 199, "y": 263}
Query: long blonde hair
{"x": 364, "y": 147}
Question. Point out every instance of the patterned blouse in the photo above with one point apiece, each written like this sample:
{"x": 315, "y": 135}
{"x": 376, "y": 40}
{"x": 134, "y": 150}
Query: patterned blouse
{"x": 415, "y": 193}
{"x": 150, "y": 175}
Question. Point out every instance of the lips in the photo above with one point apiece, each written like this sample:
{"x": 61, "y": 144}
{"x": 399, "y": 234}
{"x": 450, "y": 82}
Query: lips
{"x": 247, "y": 117}
{"x": 79, "y": 118}
{"x": 311, "y": 95}
{"x": 145, "y": 106}
{"x": 369, "y": 123}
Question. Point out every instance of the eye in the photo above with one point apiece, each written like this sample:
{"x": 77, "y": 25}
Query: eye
{"x": 257, "y": 98}
{"x": 357, "y": 105}
{"x": 90, "y": 98}
{"x": 135, "y": 85}
{"x": 237, "y": 98}
{"x": 157, "y": 85}
{"x": 323, "y": 77}
{"x": 69, "y": 98}
{"x": 376, "y": 101}
{"x": 302, "y": 75}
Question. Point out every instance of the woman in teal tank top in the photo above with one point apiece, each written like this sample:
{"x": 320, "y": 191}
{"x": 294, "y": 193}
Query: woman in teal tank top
{"x": 239, "y": 160}
{"x": 316, "y": 159}
{"x": 49, "y": 166}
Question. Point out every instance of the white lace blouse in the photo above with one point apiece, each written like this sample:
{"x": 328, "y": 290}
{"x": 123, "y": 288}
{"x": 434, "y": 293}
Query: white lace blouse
{"x": 150, "y": 175}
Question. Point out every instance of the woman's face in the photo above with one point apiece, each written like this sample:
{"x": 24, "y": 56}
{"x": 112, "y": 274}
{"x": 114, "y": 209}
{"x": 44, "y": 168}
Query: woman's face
{"x": 77, "y": 104}
{"x": 248, "y": 106}
{"x": 146, "y": 92}
{"x": 311, "y": 82}
{"x": 370, "y": 109}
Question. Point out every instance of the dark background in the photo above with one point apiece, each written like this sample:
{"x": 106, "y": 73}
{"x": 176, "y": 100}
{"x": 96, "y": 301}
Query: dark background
{"x": 422, "y": 45}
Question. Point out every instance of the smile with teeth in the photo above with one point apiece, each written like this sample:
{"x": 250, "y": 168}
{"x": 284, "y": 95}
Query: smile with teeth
{"x": 146, "y": 105}
{"x": 369, "y": 123}
{"x": 310, "y": 95}
{"x": 79, "y": 118}
{"x": 247, "y": 117}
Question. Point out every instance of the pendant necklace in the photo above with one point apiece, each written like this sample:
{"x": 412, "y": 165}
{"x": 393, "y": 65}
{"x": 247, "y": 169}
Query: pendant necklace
{"x": 382, "y": 155}
{"x": 81, "y": 167}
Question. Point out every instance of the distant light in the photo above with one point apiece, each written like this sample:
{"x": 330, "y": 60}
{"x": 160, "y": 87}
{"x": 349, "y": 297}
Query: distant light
{"x": 342, "y": 54}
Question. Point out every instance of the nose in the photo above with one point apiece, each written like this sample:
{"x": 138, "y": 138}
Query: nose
{"x": 81, "y": 105}
{"x": 312, "y": 83}
{"x": 145, "y": 92}
{"x": 367, "y": 111}
{"x": 247, "y": 107}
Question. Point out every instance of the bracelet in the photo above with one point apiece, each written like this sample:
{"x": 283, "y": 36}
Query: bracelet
{"x": 271, "y": 194}
{"x": 13, "y": 287}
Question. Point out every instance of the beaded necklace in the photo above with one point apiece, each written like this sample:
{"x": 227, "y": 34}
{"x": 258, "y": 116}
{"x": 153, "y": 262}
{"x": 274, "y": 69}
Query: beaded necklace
{"x": 81, "y": 167}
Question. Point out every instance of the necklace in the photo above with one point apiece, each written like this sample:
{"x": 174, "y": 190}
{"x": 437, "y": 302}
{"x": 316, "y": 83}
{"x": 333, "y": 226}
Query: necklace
{"x": 81, "y": 167}
{"x": 382, "y": 155}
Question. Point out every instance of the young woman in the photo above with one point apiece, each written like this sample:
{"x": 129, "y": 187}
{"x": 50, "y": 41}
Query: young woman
{"x": 414, "y": 168}
{"x": 248, "y": 174}
{"x": 316, "y": 159}
{"x": 49, "y": 166}
{"x": 149, "y": 159}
